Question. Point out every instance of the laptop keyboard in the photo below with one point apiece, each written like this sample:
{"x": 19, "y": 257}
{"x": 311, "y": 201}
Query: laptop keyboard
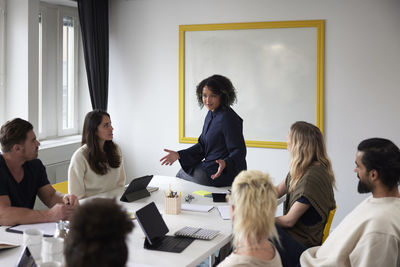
{"x": 198, "y": 233}
{"x": 168, "y": 243}
{"x": 171, "y": 243}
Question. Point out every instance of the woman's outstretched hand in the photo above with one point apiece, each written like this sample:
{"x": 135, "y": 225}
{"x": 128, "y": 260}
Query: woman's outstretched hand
{"x": 170, "y": 158}
{"x": 221, "y": 167}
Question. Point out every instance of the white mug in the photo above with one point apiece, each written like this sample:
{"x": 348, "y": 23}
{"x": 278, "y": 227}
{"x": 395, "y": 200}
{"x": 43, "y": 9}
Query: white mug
{"x": 32, "y": 238}
{"x": 52, "y": 249}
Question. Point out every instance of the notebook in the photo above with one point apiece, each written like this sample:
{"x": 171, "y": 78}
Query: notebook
{"x": 155, "y": 230}
{"x": 196, "y": 207}
{"x": 137, "y": 189}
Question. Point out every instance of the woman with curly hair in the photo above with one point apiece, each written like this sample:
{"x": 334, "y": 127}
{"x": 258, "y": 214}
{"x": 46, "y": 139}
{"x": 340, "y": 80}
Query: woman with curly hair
{"x": 220, "y": 153}
{"x": 97, "y": 166}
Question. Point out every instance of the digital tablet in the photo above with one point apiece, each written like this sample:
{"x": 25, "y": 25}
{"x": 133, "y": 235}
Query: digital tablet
{"x": 137, "y": 189}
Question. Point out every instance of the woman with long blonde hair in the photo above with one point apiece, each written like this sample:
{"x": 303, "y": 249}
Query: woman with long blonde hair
{"x": 253, "y": 206}
{"x": 308, "y": 186}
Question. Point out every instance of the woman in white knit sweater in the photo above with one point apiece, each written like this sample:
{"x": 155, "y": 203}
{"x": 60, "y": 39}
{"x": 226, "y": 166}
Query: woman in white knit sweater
{"x": 97, "y": 166}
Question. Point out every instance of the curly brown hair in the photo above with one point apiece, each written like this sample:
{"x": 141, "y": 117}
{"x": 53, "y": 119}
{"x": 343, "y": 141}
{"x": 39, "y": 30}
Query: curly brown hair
{"x": 219, "y": 85}
{"x": 97, "y": 234}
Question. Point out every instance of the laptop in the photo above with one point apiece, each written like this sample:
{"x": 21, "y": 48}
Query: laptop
{"x": 26, "y": 259}
{"x": 155, "y": 230}
{"x": 137, "y": 189}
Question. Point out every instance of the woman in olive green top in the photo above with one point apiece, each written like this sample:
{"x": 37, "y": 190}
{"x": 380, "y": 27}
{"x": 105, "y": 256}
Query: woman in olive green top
{"x": 308, "y": 186}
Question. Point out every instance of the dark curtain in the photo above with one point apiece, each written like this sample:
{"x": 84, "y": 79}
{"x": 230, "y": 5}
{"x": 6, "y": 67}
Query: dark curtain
{"x": 93, "y": 16}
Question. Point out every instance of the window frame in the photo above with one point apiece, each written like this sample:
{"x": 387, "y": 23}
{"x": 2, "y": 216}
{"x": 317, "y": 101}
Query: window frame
{"x": 54, "y": 102}
{"x": 74, "y": 130}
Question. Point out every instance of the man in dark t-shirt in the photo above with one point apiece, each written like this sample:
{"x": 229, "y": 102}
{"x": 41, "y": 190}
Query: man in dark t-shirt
{"x": 23, "y": 176}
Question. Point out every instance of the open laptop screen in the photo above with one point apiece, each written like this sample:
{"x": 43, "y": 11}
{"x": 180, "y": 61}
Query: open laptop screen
{"x": 26, "y": 259}
{"x": 151, "y": 222}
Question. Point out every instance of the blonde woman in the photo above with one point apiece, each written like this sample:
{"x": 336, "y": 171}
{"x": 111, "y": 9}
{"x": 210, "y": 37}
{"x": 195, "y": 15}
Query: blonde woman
{"x": 308, "y": 186}
{"x": 253, "y": 206}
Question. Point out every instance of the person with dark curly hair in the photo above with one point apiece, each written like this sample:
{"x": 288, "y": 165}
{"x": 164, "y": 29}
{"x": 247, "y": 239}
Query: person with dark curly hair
{"x": 96, "y": 166}
{"x": 97, "y": 235}
{"x": 220, "y": 153}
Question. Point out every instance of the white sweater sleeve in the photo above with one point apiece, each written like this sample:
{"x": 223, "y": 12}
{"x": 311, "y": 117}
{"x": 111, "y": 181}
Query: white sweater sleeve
{"x": 376, "y": 249}
{"x": 76, "y": 172}
{"x": 122, "y": 175}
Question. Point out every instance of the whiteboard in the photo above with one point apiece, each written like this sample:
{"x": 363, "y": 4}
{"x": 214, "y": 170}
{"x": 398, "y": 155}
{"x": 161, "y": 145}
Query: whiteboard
{"x": 274, "y": 70}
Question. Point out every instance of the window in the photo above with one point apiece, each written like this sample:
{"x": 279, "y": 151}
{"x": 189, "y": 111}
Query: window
{"x": 58, "y": 71}
{"x": 68, "y": 73}
{"x": 2, "y": 58}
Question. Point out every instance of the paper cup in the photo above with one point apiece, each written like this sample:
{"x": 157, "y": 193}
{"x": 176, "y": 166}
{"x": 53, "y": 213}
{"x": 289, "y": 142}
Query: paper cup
{"x": 52, "y": 249}
{"x": 173, "y": 205}
{"x": 32, "y": 238}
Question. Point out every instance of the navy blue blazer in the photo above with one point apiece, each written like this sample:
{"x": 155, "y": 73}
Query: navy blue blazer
{"x": 221, "y": 138}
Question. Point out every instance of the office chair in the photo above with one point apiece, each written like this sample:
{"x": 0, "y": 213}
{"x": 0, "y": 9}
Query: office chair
{"x": 328, "y": 224}
{"x": 63, "y": 187}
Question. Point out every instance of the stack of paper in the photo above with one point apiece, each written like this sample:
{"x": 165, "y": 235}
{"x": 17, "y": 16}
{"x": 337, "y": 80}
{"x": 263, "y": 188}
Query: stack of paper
{"x": 195, "y": 207}
{"x": 47, "y": 228}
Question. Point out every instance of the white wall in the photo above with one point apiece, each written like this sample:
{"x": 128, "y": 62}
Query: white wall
{"x": 56, "y": 159}
{"x": 2, "y": 57}
{"x": 362, "y": 67}
{"x": 21, "y": 58}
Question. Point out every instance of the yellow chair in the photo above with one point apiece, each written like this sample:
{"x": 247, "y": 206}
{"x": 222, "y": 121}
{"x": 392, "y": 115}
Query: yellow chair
{"x": 328, "y": 224}
{"x": 63, "y": 187}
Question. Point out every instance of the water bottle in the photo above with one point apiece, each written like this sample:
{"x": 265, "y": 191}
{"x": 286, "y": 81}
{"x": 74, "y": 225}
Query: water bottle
{"x": 61, "y": 229}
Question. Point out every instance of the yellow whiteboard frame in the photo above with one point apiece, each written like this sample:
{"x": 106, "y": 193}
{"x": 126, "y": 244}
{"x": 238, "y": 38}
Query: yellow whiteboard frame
{"x": 318, "y": 24}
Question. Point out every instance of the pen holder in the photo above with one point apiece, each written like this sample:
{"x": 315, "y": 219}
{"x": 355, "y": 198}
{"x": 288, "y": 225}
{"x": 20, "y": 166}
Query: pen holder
{"x": 173, "y": 205}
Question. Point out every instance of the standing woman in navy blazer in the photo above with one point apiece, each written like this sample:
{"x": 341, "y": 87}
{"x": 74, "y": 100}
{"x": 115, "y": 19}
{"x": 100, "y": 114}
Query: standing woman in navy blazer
{"x": 220, "y": 153}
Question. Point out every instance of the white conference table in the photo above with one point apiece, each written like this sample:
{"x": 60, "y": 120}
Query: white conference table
{"x": 193, "y": 255}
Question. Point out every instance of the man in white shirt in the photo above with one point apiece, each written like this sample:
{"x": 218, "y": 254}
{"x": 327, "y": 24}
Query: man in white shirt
{"x": 370, "y": 234}
{"x": 23, "y": 176}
